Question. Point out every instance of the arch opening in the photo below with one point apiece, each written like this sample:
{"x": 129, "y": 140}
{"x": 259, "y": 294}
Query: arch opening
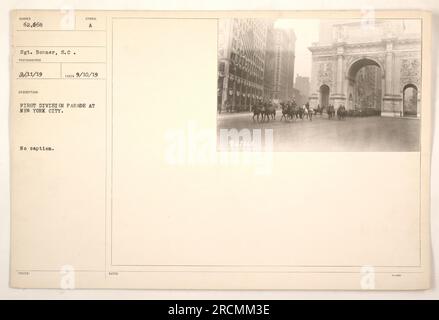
{"x": 410, "y": 101}
{"x": 365, "y": 87}
{"x": 324, "y": 96}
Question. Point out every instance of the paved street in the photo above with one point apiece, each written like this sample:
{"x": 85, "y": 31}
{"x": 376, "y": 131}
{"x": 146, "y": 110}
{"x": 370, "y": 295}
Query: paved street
{"x": 352, "y": 134}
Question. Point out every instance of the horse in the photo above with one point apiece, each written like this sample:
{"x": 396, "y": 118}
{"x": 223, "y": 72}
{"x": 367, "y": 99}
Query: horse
{"x": 309, "y": 113}
{"x": 318, "y": 110}
{"x": 258, "y": 110}
{"x": 269, "y": 111}
{"x": 287, "y": 111}
{"x": 305, "y": 113}
{"x": 299, "y": 113}
{"x": 331, "y": 112}
{"x": 341, "y": 113}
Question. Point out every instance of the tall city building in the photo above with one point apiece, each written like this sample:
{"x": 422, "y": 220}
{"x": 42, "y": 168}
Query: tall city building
{"x": 303, "y": 85}
{"x": 299, "y": 97}
{"x": 241, "y": 62}
{"x": 270, "y": 63}
{"x": 279, "y": 64}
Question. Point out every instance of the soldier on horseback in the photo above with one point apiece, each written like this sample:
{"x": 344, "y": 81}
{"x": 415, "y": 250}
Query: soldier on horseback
{"x": 341, "y": 112}
{"x": 331, "y": 111}
{"x": 310, "y": 111}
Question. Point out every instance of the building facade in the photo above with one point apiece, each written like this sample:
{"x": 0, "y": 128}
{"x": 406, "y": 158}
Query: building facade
{"x": 279, "y": 64}
{"x": 344, "y": 49}
{"x": 300, "y": 98}
{"x": 241, "y": 62}
{"x": 255, "y": 61}
{"x": 303, "y": 85}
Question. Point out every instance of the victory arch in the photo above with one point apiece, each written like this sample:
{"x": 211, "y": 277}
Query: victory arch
{"x": 390, "y": 52}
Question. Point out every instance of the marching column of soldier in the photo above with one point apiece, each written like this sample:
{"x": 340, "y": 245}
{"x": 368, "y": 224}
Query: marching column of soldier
{"x": 265, "y": 110}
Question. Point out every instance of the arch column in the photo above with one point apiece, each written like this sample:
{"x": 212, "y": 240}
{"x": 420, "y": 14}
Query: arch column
{"x": 391, "y": 103}
{"x": 389, "y": 69}
{"x": 338, "y": 96}
{"x": 314, "y": 97}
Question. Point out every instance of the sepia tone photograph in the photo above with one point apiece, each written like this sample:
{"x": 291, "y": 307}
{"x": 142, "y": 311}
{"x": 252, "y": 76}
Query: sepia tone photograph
{"x": 326, "y": 102}
{"x": 319, "y": 85}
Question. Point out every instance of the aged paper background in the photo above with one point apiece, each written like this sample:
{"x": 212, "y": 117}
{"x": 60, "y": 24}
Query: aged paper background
{"x": 200, "y": 117}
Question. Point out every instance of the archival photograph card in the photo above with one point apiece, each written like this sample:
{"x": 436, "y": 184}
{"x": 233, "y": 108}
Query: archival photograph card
{"x": 220, "y": 150}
